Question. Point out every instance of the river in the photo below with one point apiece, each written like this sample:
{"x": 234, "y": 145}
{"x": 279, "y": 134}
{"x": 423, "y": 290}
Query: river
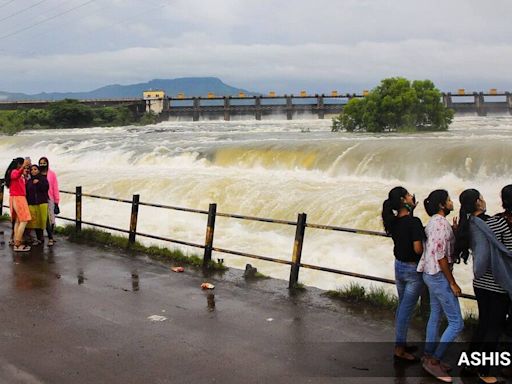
{"x": 275, "y": 169}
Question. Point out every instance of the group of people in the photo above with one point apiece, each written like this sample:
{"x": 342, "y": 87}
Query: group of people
{"x": 424, "y": 258}
{"x": 34, "y": 202}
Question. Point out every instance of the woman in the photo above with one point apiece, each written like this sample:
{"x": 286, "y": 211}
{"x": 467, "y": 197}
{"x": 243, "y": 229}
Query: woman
{"x": 53, "y": 197}
{"x": 436, "y": 264}
{"x": 37, "y": 198}
{"x": 407, "y": 233}
{"x": 492, "y": 297}
{"x": 17, "y": 201}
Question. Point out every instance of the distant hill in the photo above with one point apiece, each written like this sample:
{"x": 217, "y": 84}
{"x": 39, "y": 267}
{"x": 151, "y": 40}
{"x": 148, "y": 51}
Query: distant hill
{"x": 191, "y": 86}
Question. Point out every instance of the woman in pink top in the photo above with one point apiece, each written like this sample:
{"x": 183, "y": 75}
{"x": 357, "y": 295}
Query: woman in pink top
{"x": 53, "y": 197}
{"x": 435, "y": 264}
{"x": 20, "y": 212}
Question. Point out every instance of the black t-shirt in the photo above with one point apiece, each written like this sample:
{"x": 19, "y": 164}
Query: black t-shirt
{"x": 405, "y": 231}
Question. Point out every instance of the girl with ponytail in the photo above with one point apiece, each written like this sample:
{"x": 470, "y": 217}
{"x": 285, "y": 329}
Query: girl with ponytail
{"x": 435, "y": 264}
{"x": 407, "y": 233}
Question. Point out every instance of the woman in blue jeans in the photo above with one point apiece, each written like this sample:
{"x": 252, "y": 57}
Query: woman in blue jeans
{"x": 407, "y": 233}
{"x": 436, "y": 266}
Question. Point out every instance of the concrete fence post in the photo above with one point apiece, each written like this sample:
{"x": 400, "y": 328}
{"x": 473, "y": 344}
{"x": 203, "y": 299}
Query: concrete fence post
{"x": 227, "y": 108}
{"x": 257, "y": 107}
{"x": 297, "y": 250}
{"x": 133, "y": 219}
{"x": 78, "y": 209}
{"x": 320, "y": 106}
{"x": 196, "y": 108}
{"x": 289, "y": 107}
{"x": 210, "y": 229}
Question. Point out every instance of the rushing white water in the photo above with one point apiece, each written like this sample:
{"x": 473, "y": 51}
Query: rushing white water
{"x": 272, "y": 169}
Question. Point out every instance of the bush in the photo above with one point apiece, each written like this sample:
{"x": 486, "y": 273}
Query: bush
{"x": 70, "y": 113}
{"x": 396, "y": 105}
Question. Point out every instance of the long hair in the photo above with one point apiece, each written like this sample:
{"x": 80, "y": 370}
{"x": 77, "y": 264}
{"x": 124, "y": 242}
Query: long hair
{"x": 44, "y": 158}
{"x": 15, "y": 163}
{"x": 391, "y": 205}
{"x": 467, "y": 200}
{"x": 434, "y": 201}
{"x": 506, "y": 198}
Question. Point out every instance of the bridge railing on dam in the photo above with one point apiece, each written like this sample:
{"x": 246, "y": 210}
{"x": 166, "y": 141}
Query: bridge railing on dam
{"x": 300, "y": 228}
{"x": 197, "y": 108}
{"x": 225, "y": 107}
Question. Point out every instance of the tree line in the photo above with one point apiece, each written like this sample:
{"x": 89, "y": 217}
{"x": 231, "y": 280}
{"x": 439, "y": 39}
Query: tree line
{"x": 70, "y": 113}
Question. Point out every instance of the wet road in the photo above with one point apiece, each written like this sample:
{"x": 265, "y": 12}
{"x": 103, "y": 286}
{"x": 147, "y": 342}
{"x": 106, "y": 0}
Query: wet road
{"x": 79, "y": 314}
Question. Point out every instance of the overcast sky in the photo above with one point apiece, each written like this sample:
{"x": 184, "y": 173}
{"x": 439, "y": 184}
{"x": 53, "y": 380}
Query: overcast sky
{"x": 285, "y": 46}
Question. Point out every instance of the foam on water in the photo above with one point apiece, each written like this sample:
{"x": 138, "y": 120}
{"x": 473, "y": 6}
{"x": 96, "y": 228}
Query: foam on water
{"x": 272, "y": 169}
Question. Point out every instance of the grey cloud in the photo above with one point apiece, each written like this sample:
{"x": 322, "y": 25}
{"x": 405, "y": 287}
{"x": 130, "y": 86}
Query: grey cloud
{"x": 259, "y": 45}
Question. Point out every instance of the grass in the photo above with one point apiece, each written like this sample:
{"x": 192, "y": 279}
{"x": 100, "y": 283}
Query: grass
{"x": 5, "y": 217}
{"x": 376, "y": 297}
{"x": 98, "y": 237}
{"x": 379, "y": 298}
{"x": 299, "y": 287}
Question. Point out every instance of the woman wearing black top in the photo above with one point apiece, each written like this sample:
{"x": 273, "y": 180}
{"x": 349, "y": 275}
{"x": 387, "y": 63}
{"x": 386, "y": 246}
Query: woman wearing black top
{"x": 37, "y": 198}
{"x": 408, "y": 235}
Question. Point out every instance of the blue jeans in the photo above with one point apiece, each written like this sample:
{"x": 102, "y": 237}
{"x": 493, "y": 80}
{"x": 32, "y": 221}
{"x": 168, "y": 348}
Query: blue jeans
{"x": 409, "y": 285}
{"x": 442, "y": 300}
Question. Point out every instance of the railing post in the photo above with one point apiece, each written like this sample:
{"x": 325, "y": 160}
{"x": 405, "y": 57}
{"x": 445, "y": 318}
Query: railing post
{"x": 78, "y": 209}
{"x": 133, "y": 218}
{"x": 257, "y": 107}
{"x": 320, "y": 106}
{"x": 289, "y": 107}
{"x": 2, "y": 183}
{"x": 227, "y": 108}
{"x": 210, "y": 229}
{"x": 196, "y": 109}
{"x": 508, "y": 97}
{"x": 297, "y": 250}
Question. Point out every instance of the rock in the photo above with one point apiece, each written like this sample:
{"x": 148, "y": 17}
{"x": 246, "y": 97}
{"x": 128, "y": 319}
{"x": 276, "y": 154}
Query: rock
{"x": 250, "y": 271}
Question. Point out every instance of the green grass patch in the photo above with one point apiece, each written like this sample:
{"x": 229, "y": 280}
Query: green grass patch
{"x": 377, "y": 297}
{"x": 299, "y": 287}
{"x": 5, "y": 217}
{"x": 95, "y": 236}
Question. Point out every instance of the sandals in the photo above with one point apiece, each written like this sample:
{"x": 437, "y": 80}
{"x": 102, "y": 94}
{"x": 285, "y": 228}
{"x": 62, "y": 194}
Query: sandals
{"x": 11, "y": 242}
{"x": 406, "y": 358}
{"x": 21, "y": 248}
{"x": 37, "y": 242}
{"x": 51, "y": 243}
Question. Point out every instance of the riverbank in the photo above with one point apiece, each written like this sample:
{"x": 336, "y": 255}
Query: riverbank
{"x": 71, "y": 114}
{"x": 100, "y": 315}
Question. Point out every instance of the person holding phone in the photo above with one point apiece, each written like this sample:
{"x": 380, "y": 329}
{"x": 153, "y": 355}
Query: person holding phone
{"x": 407, "y": 234}
{"x": 436, "y": 265}
{"x": 20, "y": 212}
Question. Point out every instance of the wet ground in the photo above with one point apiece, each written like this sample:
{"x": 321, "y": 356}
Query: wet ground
{"x": 80, "y": 314}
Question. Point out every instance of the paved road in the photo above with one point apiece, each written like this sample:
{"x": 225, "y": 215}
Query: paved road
{"x": 80, "y": 314}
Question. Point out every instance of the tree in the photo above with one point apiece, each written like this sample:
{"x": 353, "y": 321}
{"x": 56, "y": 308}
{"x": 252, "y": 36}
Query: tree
{"x": 396, "y": 105}
{"x": 70, "y": 113}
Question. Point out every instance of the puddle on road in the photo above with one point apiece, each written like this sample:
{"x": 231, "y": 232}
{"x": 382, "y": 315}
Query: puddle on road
{"x": 135, "y": 281}
{"x": 81, "y": 278}
{"x": 210, "y": 302}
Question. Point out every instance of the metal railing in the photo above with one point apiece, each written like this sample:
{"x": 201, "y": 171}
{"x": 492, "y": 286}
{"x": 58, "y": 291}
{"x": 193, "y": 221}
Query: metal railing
{"x": 208, "y": 247}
